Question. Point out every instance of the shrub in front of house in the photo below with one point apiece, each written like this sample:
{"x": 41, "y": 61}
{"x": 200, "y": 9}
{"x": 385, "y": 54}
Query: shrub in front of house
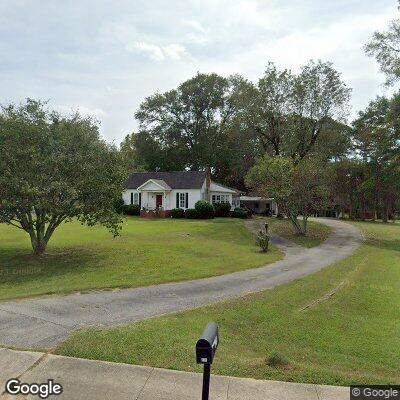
{"x": 241, "y": 213}
{"x": 132, "y": 209}
{"x": 250, "y": 212}
{"x": 222, "y": 209}
{"x": 191, "y": 213}
{"x": 177, "y": 213}
{"x": 204, "y": 209}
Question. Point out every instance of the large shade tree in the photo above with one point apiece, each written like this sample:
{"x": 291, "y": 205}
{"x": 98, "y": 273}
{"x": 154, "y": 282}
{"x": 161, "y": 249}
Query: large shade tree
{"x": 300, "y": 122}
{"x": 376, "y": 139}
{"x": 189, "y": 123}
{"x": 298, "y": 188}
{"x": 294, "y": 115}
{"x": 54, "y": 168}
{"x": 385, "y": 47}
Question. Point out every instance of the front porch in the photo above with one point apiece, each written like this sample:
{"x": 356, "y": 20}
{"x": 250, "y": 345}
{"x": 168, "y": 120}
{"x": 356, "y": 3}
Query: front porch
{"x": 155, "y": 195}
{"x": 157, "y": 213}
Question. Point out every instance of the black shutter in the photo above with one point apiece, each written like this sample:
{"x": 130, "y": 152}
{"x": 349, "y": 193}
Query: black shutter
{"x": 177, "y": 200}
{"x": 140, "y": 200}
{"x": 187, "y": 200}
{"x": 131, "y": 198}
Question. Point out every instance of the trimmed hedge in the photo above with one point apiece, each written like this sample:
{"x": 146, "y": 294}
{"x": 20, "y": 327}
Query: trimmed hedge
{"x": 249, "y": 211}
{"x": 191, "y": 213}
{"x": 132, "y": 209}
{"x": 204, "y": 209}
{"x": 177, "y": 213}
{"x": 222, "y": 209}
{"x": 241, "y": 213}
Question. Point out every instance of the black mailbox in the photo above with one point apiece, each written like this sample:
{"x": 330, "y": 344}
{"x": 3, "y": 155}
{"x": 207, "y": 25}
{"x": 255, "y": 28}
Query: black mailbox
{"x": 207, "y": 345}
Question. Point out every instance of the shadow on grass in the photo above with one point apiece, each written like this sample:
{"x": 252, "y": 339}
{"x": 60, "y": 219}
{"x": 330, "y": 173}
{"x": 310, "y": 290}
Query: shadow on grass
{"x": 21, "y": 266}
{"x": 393, "y": 245}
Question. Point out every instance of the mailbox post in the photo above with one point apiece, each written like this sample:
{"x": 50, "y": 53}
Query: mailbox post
{"x": 206, "y": 348}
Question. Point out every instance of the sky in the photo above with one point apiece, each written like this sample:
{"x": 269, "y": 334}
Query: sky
{"x": 104, "y": 57}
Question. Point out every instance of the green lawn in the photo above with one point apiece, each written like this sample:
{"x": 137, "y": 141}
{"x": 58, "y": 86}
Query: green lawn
{"x": 350, "y": 336}
{"x": 146, "y": 253}
{"x": 317, "y": 232}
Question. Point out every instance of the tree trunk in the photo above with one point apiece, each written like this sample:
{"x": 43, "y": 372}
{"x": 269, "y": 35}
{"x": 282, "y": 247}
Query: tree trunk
{"x": 38, "y": 245}
{"x": 304, "y": 225}
{"x": 300, "y": 229}
{"x": 385, "y": 214}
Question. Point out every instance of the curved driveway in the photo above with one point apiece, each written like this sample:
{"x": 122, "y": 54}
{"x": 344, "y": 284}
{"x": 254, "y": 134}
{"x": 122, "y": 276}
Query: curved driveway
{"x": 45, "y": 322}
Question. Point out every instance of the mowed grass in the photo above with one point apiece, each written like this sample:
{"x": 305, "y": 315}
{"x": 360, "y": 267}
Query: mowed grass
{"x": 339, "y": 326}
{"x": 80, "y": 258}
{"x": 316, "y": 234}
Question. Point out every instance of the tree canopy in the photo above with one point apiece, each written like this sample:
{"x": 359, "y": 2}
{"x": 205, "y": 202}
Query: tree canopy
{"x": 54, "y": 168}
{"x": 376, "y": 140}
{"x": 188, "y": 124}
{"x": 385, "y": 47}
{"x": 228, "y": 123}
{"x": 298, "y": 188}
{"x": 290, "y": 113}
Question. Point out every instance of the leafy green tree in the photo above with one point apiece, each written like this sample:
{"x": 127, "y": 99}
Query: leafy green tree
{"x": 377, "y": 142}
{"x": 385, "y": 47}
{"x": 265, "y": 108}
{"x": 346, "y": 191}
{"x": 129, "y": 153}
{"x": 293, "y": 114}
{"x": 142, "y": 152}
{"x": 54, "y": 168}
{"x": 190, "y": 123}
{"x": 298, "y": 188}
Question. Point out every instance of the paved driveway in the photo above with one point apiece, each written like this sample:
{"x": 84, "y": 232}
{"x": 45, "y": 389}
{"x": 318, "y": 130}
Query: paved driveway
{"x": 45, "y": 322}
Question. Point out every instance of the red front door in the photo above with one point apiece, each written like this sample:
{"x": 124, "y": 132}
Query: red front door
{"x": 159, "y": 200}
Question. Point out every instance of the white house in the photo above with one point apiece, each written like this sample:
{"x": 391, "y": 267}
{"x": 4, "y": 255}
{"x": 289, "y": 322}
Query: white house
{"x": 162, "y": 191}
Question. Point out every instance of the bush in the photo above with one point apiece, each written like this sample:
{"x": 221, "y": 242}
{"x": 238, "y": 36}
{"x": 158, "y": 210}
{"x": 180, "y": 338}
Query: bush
{"x": 119, "y": 205}
{"x": 177, "y": 213}
{"x": 262, "y": 240}
{"x": 204, "y": 209}
{"x": 249, "y": 211}
{"x": 241, "y": 213}
{"x": 222, "y": 209}
{"x": 275, "y": 360}
{"x": 191, "y": 213}
{"x": 132, "y": 209}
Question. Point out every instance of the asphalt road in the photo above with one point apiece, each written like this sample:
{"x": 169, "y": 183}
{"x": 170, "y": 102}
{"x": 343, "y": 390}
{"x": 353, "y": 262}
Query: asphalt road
{"x": 45, "y": 322}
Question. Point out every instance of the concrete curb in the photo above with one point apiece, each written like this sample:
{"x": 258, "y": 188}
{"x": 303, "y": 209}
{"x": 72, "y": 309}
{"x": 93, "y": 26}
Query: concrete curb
{"x": 99, "y": 380}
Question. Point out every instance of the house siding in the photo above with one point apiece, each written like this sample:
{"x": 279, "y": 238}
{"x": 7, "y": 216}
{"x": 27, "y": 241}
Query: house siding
{"x": 194, "y": 195}
{"x": 169, "y": 202}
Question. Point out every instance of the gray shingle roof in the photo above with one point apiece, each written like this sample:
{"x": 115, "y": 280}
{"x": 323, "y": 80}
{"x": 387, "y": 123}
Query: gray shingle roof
{"x": 162, "y": 184}
{"x": 175, "y": 179}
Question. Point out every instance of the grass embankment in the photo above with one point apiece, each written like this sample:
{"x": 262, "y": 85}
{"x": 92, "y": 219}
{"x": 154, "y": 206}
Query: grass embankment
{"x": 338, "y": 326}
{"x": 146, "y": 253}
{"x": 316, "y": 234}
